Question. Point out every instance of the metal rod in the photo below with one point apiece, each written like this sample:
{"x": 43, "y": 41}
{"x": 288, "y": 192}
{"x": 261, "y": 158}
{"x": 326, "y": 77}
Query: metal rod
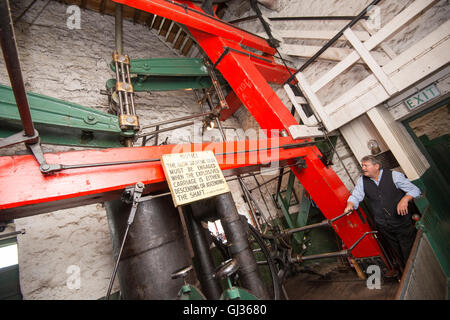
{"x": 333, "y": 40}
{"x": 119, "y": 29}
{"x": 298, "y": 18}
{"x": 247, "y": 198}
{"x": 198, "y": 115}
{"x": 323, "y": 223}
{"x": 266, "y": 182}
{"x": 316, "y": 18}
{"x": 308, "y": 227}
{"x": 116, "y": 265}
{"x": 165, "y": 129}
{"x": 12, "y": 63}
{"x": 12, "y": 234}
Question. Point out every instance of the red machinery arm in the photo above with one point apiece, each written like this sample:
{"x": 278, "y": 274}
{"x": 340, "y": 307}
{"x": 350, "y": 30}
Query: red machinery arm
{"x": 25, "y": 191}
{"x": 249, "y": 81}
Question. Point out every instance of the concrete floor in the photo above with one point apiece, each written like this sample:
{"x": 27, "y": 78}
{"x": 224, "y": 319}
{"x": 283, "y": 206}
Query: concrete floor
{"x": 339, "y": 284}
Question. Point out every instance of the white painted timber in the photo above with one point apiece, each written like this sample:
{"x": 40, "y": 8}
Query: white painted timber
{"x": 302, "y": 132}
{"x": 358, "y": 132}
{"x": 370, "y": 61}
{"x": 391, "y": 27}
{"x": 362, "y": 98}
{"x": 312, "y": 98}
{"x": 296, "y": 102}
{"x": 399, "y": 142}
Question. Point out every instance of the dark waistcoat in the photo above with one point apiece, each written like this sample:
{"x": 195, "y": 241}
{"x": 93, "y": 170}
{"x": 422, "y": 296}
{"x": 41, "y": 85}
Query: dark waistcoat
{"x": 384, "y": 199}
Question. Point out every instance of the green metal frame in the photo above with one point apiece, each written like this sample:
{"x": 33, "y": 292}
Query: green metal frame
{"x": 60, "y": 122}
{"x": 166, "y": 74}
{"x": 435, "y": 202}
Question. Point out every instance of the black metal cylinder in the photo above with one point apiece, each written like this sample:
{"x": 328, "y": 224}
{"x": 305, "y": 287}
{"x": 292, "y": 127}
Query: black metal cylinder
{"x": 205, "y": 266}
{"x": 236, "y": 234}
{"x": 154, "y": 249}
{"x": 12, "y": 63}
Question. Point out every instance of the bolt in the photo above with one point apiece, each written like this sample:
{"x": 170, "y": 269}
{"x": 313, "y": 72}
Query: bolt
{"x": 130, "y": 119}
{"x": 45, "y": 167}
{"x": 140, "y": 185}
{"x": 91, "y": 118}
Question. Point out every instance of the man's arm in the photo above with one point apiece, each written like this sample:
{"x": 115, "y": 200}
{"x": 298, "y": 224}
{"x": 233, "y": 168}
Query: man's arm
{"x": 356, "y": 197}
{"x": 412, "y": 191}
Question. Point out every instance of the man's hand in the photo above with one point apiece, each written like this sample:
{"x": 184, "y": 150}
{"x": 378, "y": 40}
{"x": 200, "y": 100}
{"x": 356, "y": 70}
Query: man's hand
{"x": 350, "y": 207}
{"x": 402, "y": 206}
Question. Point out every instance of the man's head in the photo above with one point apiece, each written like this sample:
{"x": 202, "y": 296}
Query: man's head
{"x": 370, "y": 166}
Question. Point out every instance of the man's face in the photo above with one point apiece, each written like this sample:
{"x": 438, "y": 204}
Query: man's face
{"x": 370, "y": 170}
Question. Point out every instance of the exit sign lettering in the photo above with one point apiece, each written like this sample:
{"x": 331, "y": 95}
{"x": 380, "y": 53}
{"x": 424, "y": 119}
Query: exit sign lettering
{"x": 422, "y": 97}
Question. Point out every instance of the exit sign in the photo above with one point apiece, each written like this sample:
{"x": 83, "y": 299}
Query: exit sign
{"x": 422, "y": 97}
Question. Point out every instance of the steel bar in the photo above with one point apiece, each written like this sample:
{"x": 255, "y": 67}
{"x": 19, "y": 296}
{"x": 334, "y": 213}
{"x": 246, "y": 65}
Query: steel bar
{"x": 12, "y": 63}
{"x": 323, "y": 223}
{"x": 266, "y": 182}
{"x": 306, "y": 18}
{"x": 165, "y": 129}
{"x": 119, "y": 29}
{"x": 12, "y": 234}
{"x": 160, "y": 123}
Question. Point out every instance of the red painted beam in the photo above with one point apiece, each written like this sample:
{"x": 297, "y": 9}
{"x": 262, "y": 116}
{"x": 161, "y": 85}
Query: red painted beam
{"x": 247, "y": 82}
{"x": 23, "y": 185}
{"x": 185, "y": 13}
{"x": 322, "y": 183}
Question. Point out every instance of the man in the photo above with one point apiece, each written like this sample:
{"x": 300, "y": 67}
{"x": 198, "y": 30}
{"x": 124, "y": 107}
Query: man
{"x": 389, "y": 193}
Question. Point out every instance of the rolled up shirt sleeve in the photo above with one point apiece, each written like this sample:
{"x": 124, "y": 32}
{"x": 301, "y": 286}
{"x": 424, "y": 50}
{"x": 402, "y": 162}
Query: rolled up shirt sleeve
{"x": 401, "y": 182}
{"x": 357, "y": 194}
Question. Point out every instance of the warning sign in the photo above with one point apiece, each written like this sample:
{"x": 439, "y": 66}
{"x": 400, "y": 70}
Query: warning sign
{"x": 193, "y": 176}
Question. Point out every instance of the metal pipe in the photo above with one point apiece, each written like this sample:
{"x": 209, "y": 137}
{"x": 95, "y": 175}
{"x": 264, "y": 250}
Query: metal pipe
{"x": 266, "y": 182}
{"x": 298, "y": 18}
{"x": 119, "y": 29}
{"x": 206, "y": 269}
{"x": 165, "y": 129}
{"x": 325, "y": 255}
{"x": 323, "y": 223}
{"x": 12, "y": 63}
{"x": 308, "y": 227}
{"x": 198, "y": 115}
{"x": 12, "y": 234}
{"x": 247, "y": 198}
{"x": 240, "y": 249}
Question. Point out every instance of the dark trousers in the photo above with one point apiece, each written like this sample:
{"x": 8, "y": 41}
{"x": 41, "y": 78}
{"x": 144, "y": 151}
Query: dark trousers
{"x": 400, "y": 239}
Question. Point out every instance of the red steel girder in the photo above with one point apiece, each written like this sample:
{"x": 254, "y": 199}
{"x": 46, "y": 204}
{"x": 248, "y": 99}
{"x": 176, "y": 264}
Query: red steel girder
{"x": 24, "y": 190}
{"x": 272, "y": 71}
{"x": 322, "y": 183}
{"x": 191, "y": 16}
{"x": 247, "y": 82}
